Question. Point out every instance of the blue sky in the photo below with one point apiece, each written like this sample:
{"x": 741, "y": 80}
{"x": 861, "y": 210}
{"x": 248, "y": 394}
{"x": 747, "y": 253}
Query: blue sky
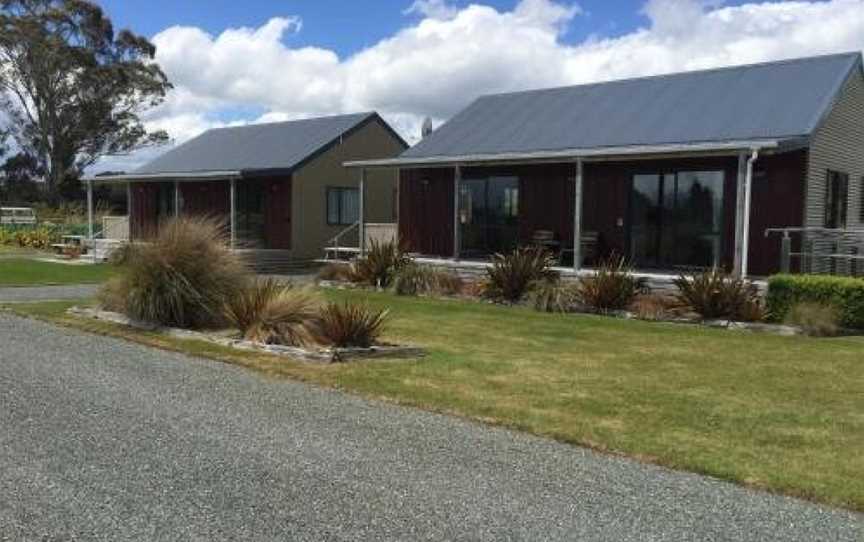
{"x": 345, "y": 26}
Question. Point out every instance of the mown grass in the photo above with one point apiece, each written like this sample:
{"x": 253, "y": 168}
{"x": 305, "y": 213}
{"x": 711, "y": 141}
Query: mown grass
{"x": 29, "y": 272}
{"x": 783, "y": 414}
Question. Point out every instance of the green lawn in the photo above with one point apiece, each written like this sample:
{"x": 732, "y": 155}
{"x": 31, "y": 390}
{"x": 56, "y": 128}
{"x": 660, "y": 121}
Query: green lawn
{"x": 28, "y": 272}
{"x": 785, "y": 414}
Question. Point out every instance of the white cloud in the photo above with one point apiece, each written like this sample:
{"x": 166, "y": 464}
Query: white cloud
{"x": 444, "y": 59}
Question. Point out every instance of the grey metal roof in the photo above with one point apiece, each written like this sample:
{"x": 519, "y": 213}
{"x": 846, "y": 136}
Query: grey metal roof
{"x": 255, "y": 147}
{"x": 776, "y": 100}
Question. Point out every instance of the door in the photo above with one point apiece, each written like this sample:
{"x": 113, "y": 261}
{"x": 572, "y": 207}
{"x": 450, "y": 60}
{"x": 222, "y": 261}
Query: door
{"x": 676, "y": 219}
{"x": 488, "y": 215}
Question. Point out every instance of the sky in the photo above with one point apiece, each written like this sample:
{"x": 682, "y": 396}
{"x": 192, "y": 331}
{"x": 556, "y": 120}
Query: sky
{"x": 270, "y": 60}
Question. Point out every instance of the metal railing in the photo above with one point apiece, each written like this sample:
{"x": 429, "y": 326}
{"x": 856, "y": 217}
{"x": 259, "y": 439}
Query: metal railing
{"x": 334, "y": 245}
{"x": 821, "y": 250}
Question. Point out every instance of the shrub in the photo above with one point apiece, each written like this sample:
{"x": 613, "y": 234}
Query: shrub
{"x": 553, "y": 296}
{"x": 415, "y": 279}
{"x": 271, "y": 312}
{"x": 336, "y": 272}
{"x": 814, "y": 319}
{"x": 349, "y": 324}
{"x": 715, "y": 294}
{"x": 380, "y": 264}
{"x": 846, "y": 294}
{"x": 612, "y": 287}
{"x": 182, "y": 278}
{"x": 511, "y": 275}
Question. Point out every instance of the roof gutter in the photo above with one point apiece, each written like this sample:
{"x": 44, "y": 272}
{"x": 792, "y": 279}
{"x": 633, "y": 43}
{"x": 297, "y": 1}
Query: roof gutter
{"x": 597, "y": 154}
{"x": 155, "y": 177}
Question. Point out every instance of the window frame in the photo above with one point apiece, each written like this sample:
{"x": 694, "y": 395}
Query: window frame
{"x": 836, "y": 208}
{"x": 340, "y": 212}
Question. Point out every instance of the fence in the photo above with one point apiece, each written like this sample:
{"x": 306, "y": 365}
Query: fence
{"x": 821, "y": 250}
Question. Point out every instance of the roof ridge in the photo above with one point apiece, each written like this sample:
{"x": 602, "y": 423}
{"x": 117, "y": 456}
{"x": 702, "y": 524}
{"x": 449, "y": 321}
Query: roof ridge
{"x": 360, "y": 115}
{"x": 795, "y": 60}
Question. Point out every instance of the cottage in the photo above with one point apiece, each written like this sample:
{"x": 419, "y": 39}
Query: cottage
{"x": 675, "y": 171}
{"x": 280, "y": 187}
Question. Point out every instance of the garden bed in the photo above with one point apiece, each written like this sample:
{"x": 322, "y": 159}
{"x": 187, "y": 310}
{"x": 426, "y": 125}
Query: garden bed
{"x": 314, "y": 355}
{"x": 756, "y": 327}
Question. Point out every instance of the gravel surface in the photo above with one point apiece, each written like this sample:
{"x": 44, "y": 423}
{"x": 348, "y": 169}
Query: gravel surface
{"x": 106, "y": 440}
{"x": 20, "y": 294}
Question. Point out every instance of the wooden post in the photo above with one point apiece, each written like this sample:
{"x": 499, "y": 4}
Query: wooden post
{"x": 361, "y": 226}
{"x": 740, "y": 190}
{"x": 785, "y": 253}
{"x": 90, "y": 209}
{"x": 233, "y": 198}
{"x": 457, "y": 182}
{"x": 176, "y": 199}
{"x": 129, "y": 208}
{"x": 577, "y": 217}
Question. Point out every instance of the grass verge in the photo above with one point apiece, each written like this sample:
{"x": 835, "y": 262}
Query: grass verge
{"x": 29, "y": 272}
{"x": 778, "y": 413}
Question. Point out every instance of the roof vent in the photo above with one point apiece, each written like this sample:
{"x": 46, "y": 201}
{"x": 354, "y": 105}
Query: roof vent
{"x": 426, "y": 130}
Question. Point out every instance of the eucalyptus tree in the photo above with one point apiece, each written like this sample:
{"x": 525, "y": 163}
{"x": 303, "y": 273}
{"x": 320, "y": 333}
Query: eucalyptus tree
{"x": 72, "y": 89}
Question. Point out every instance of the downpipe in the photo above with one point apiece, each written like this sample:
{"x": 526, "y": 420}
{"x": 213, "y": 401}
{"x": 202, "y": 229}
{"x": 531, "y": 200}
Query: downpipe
{"x": 748, "y": 196}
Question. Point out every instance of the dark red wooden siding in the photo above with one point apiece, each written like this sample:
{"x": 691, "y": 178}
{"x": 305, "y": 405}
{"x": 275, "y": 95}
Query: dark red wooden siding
{"x": 143, "y": 221}
{"x": 277, "y": 213}
{"x": 426, "y": 211}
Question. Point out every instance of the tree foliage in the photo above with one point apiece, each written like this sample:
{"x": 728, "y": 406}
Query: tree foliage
{"x": 72, "y": 90}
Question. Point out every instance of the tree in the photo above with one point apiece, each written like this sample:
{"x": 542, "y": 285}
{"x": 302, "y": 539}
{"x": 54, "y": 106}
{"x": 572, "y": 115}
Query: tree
{"x": 71, "y": 89}
{"x": 19, "y": 174}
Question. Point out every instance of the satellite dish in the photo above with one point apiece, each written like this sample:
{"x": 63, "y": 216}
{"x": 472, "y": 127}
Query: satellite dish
{"x": 426, "y": 130}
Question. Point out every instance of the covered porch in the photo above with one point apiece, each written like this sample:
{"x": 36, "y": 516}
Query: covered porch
{"x": 666, "y": 211}
{"x": 256, "y": 211}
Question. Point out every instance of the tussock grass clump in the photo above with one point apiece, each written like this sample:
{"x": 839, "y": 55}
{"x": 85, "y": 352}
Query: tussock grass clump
{"x": 511, "y": 275}
{"x": 814, "y": 319}
{"x": 553, "y": 296}
{"x": 716, "y": 294}
{"x": 380, "y": 264}
{"x": 613, "y": 287}
{"x": 336, "y": 272}
{"x": 182, "y": 277}
{"x": 271, "y": 312}
{"x": 415, "y": 279}
{"x": 350, "y": 324}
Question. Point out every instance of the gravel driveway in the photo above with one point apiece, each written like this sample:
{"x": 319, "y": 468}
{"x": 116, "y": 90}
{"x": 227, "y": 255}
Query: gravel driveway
{"x": 107, "y": 440}
{"x": 19, "y": 294}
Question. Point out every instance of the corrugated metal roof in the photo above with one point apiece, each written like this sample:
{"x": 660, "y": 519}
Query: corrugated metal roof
{"x": 254, "y": 147}
{"x": 776, "y": 100}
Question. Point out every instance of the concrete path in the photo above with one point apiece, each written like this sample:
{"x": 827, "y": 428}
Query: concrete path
{"x": 20, "y": 294}
{"x": 106, "y": 440}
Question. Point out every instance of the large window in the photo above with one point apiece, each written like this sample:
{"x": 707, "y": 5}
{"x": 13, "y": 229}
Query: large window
{"x": 488, "y": 215}
{"x": 676, "y": 219}
{"x": 343, "y": 206}
{"x": 836, "y": 199}
{"x": 250, "y": 217}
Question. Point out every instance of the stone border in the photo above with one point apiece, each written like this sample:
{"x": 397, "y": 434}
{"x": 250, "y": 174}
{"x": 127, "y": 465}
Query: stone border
{"x": 317, "y": 355}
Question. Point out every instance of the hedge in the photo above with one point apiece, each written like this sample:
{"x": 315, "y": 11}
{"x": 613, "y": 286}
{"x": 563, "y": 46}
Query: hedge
{"x": 845, "y": 293}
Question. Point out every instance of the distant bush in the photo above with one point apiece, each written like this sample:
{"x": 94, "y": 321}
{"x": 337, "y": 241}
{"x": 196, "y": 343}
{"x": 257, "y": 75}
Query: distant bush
{"x": 715, "y": 294}
{"x": 846, "y": 294}
{"x": 413, "y": 279}
{"x": 612, "y": 287}
{"x": 511, "y": 275}
{"x": 350, "y": 324}
{"x": 272, "y": 312}
{"x": 183, "y": 277}
{"x": 26, "y": 236}
{"x": 814, "y": 319}
{"x": 652, "y": 307}
{"x": 379, "y": 265}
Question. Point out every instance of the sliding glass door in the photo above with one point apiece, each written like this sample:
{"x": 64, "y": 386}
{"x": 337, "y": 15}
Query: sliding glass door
{"x": 488, "y": 215}
{"x": 676, "y": 219}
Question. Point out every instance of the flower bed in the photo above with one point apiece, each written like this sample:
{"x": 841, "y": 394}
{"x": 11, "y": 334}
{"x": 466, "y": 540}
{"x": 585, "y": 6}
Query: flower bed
{"x": 309, "y": 354}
